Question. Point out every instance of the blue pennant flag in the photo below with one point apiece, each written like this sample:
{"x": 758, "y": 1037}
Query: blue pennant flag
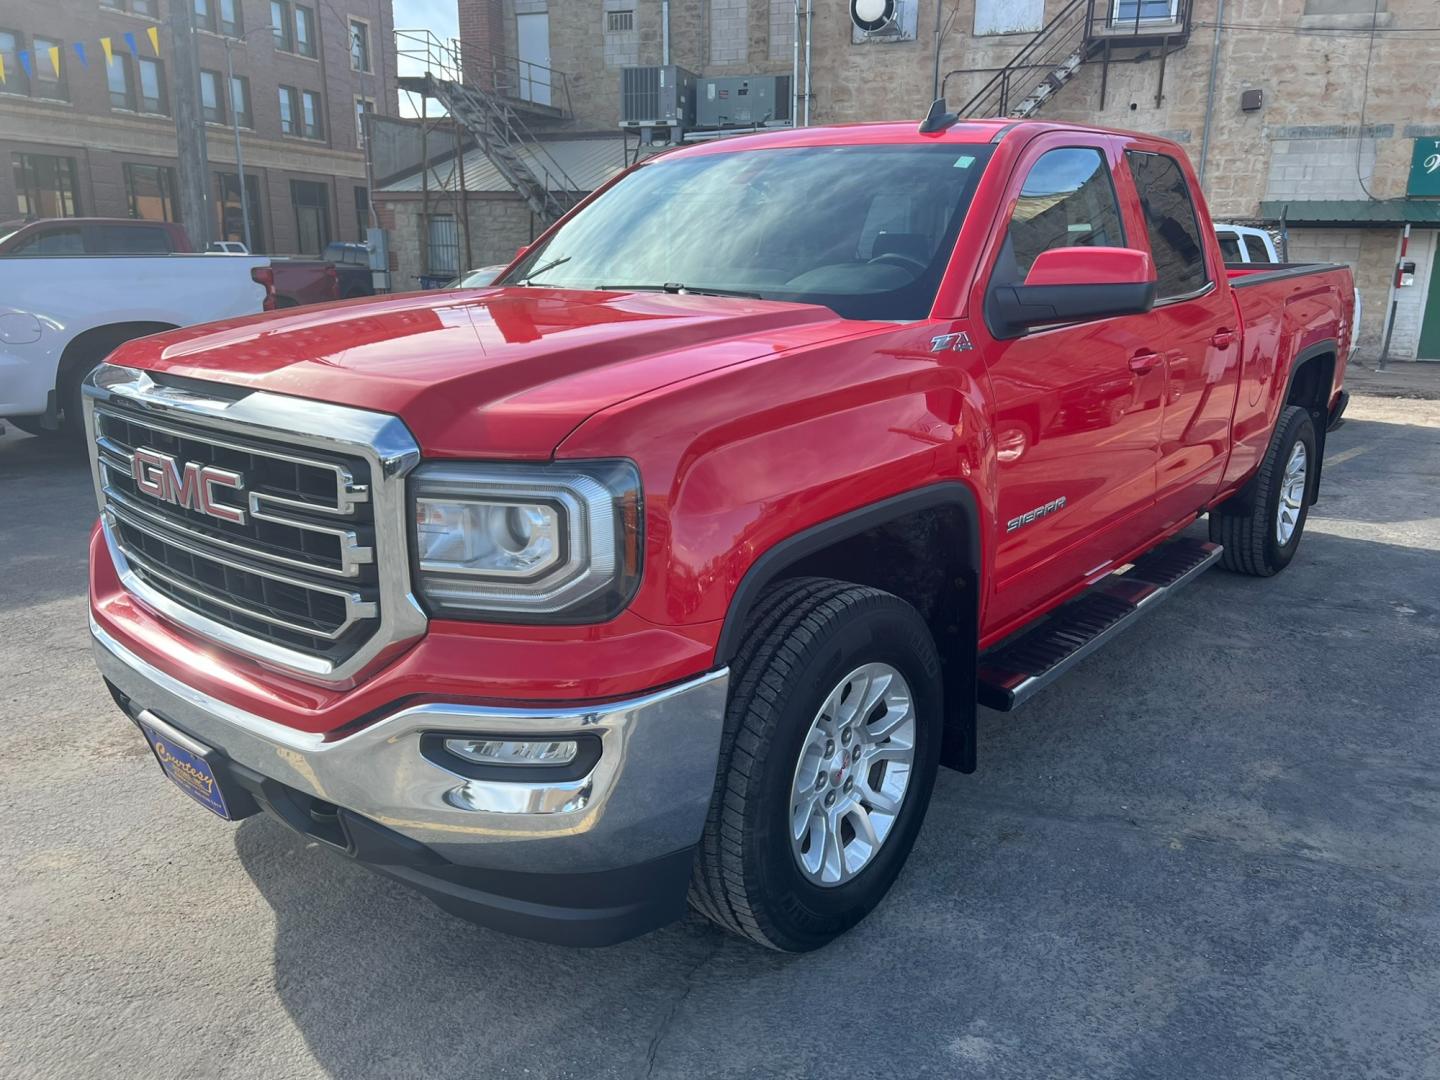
{"x": 25, "y": 63}
{"x": 130, "y": 40}
{"x": 80, "y": 52}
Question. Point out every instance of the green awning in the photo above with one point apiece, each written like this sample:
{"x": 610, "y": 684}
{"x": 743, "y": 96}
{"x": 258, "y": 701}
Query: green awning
{"x": 1354, "y": 212}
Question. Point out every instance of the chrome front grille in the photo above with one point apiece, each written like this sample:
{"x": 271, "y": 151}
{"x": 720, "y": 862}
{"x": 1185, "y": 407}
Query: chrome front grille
{"x": 295, "y": 555}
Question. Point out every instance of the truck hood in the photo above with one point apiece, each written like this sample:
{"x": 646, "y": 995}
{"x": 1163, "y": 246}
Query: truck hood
{"x": 505, "y": 372}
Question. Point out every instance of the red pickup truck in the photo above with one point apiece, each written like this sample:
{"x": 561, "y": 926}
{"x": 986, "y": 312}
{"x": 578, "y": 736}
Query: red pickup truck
{"x": 674, "y": 564}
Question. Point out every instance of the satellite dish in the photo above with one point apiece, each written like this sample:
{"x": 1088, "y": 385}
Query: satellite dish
{"x": 872, "y": 15}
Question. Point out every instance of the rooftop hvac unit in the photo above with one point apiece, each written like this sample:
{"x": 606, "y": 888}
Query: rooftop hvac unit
{"x": 657, "y": 97}
{"x": 742, "y": 101}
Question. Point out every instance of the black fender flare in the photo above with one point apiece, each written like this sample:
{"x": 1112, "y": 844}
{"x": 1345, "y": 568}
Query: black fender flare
{"x": 962, "y": 613}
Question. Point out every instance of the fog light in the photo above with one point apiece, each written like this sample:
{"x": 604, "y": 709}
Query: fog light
{"x": 514, "y": 751}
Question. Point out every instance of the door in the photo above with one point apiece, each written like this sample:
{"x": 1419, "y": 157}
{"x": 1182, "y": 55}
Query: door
{"x": 533, "y": 37}
{"x": 1196, "y": 331}
{"x": 1077, "y": 407}
{"x": 1429, "y": 347}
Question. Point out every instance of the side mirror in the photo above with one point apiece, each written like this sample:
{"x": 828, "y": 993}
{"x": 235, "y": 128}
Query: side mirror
{"x": 1073, "y": 284}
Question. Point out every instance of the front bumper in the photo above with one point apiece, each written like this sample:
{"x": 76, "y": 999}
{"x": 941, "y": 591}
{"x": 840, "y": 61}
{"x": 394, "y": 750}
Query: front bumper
{"x": 583, "y": 861}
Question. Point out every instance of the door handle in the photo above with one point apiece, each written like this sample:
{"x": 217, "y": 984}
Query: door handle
{"x": 1223, "y": 339}
{"x": 1142, "y": 362}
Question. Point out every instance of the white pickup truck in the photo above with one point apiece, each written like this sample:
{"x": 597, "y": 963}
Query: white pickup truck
{"x": 61, "y": 316}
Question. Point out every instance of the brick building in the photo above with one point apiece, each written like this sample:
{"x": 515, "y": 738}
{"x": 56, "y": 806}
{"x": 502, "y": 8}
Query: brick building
{"x": 100, "y": 140}
{"x": 1346, "y": 100}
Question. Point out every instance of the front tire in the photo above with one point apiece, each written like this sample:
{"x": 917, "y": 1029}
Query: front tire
{"x": 1260, "y": 540}
{"x": 831, "y": 742}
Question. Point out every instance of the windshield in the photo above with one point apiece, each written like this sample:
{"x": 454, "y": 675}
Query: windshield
{"x": 864, "y": 230}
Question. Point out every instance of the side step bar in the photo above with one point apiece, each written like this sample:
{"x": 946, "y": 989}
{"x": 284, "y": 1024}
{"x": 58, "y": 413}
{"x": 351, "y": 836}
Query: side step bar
{"x": 1012, "y": 673}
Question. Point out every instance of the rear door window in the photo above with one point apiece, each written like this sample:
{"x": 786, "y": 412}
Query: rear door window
{"x": 1171, "y": 223}
{"x": 1230, "y": 247}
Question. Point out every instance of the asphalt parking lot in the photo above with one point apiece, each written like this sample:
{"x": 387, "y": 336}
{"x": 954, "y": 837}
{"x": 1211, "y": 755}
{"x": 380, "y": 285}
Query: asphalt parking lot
{"x": 1209, "y": 852}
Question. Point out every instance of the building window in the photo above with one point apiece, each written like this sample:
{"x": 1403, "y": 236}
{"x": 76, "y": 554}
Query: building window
{"x": 281, "y": 23}
{"x": 363, "y": 108}
{"x": 240, "y": 101}
{"x": 362, "y": 213}
{"x": 45, "y": 186}
{"x": 212, "y": 103}
{"x": 312, "y": 215}
{"x": 49, "y": 80}
{"x": 151, "y": 191}
{"x": 619, "y": 22}
{"x": 313, "y": 115}
{"x": 152, "y": 87}
{"x": 122, "y": 85}
{"x": 11, "y": 42}
{"x": 359, "y": 45}
{"x": 289, "y": 110}
{"x": 205, "y": 15}
{"x": 304, "y": 31}
{"x": 232, "y": 224}
{"x": 444, "y": 246}
{"x": 294, "y": 27}
{"x": 231, "y": 22}
{"x": 140, "y": 88}
{"x": 135, "y": 7}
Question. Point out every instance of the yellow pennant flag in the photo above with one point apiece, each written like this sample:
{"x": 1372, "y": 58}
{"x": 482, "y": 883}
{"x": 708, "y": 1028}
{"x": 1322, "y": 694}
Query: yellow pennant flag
{"x": 105, "y": 44}
{"x": 2, "y": 70}
{"x": 153, "y": 33}
{"x": 55, "y": 59}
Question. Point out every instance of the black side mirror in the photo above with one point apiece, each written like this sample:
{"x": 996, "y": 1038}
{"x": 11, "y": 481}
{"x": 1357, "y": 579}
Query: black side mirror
{"x": 1073, "y": 284}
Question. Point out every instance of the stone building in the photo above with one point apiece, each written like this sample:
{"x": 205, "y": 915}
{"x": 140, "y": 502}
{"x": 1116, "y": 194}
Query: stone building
{"x": 1309, "y": 112}
{"x": 98, "y": 139}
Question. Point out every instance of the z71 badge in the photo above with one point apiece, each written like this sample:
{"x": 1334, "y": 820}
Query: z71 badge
{"x": 956, "y": 342}
{"x": 1035, "y": 515}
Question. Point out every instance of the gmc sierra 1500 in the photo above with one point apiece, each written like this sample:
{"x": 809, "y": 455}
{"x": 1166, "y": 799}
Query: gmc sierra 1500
{"x": 674, "y": 564}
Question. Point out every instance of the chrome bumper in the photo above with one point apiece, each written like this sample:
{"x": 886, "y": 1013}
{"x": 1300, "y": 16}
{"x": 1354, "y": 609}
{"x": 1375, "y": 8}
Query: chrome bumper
{"x": 646, "y": 796}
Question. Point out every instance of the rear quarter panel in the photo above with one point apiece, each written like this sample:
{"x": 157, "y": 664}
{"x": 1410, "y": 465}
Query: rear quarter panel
{"x": 1283, "y": 315}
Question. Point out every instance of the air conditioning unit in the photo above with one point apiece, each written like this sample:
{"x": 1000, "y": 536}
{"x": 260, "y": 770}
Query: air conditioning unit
{"x": 742, "y": 101}
{"x": 661, "y": 96}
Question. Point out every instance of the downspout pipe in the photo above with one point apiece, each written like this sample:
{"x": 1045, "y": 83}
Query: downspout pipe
{"x": 1210, "y": 91}
{"x": 665, "y": 32}
{"x": 795, "y": 70}
{"x": 809, "y": 34}
{"x": 935, "y": 79}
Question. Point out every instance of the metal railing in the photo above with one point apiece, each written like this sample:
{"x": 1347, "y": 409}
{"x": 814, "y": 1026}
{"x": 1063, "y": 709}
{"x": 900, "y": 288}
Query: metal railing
{"x": 495, "y": 73}
{"x": 1075, "y": 33}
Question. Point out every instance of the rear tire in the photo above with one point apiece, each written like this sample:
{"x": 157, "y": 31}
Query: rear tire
{"x": 831, "y": 683}
{"x": 1262, "y": 539}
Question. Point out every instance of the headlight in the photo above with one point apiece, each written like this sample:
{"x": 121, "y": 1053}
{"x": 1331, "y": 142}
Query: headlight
{"x": 526, "y": 543}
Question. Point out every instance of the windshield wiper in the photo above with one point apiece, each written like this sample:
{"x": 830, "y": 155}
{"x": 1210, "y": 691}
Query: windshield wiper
{"x": 536, "y": 273}
{"x": 675, "y": 288}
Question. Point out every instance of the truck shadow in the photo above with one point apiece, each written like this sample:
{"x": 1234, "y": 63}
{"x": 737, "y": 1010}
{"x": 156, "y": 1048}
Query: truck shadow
{"x": 47, "y": 505}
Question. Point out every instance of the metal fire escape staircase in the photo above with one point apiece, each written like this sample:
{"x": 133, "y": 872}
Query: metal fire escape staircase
{"x": 485, "y": 105}
{"x": 1083, "y": 31}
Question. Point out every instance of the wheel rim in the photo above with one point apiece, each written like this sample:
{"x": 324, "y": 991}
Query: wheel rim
{"x": 1292, "y": 494}
{"x": 853, "y": 774}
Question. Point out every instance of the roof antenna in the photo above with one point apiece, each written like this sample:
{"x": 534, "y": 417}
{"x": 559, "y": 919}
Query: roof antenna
{"x": 937, "y": 119}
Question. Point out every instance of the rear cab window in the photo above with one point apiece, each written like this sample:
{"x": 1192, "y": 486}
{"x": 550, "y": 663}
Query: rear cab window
{"x": 132, "y": 240}
{"x": 1231, "y": 250}
{"x": 67, "y": 240}
{"x": 1171, "y": 224}
{"x": 1067, "y": 200}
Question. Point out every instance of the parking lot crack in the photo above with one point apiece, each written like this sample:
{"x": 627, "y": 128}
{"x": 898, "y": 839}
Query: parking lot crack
{"x": 688, "y": 984}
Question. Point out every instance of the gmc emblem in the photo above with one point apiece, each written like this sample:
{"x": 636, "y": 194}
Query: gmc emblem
{"x": 191, "y": 485}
